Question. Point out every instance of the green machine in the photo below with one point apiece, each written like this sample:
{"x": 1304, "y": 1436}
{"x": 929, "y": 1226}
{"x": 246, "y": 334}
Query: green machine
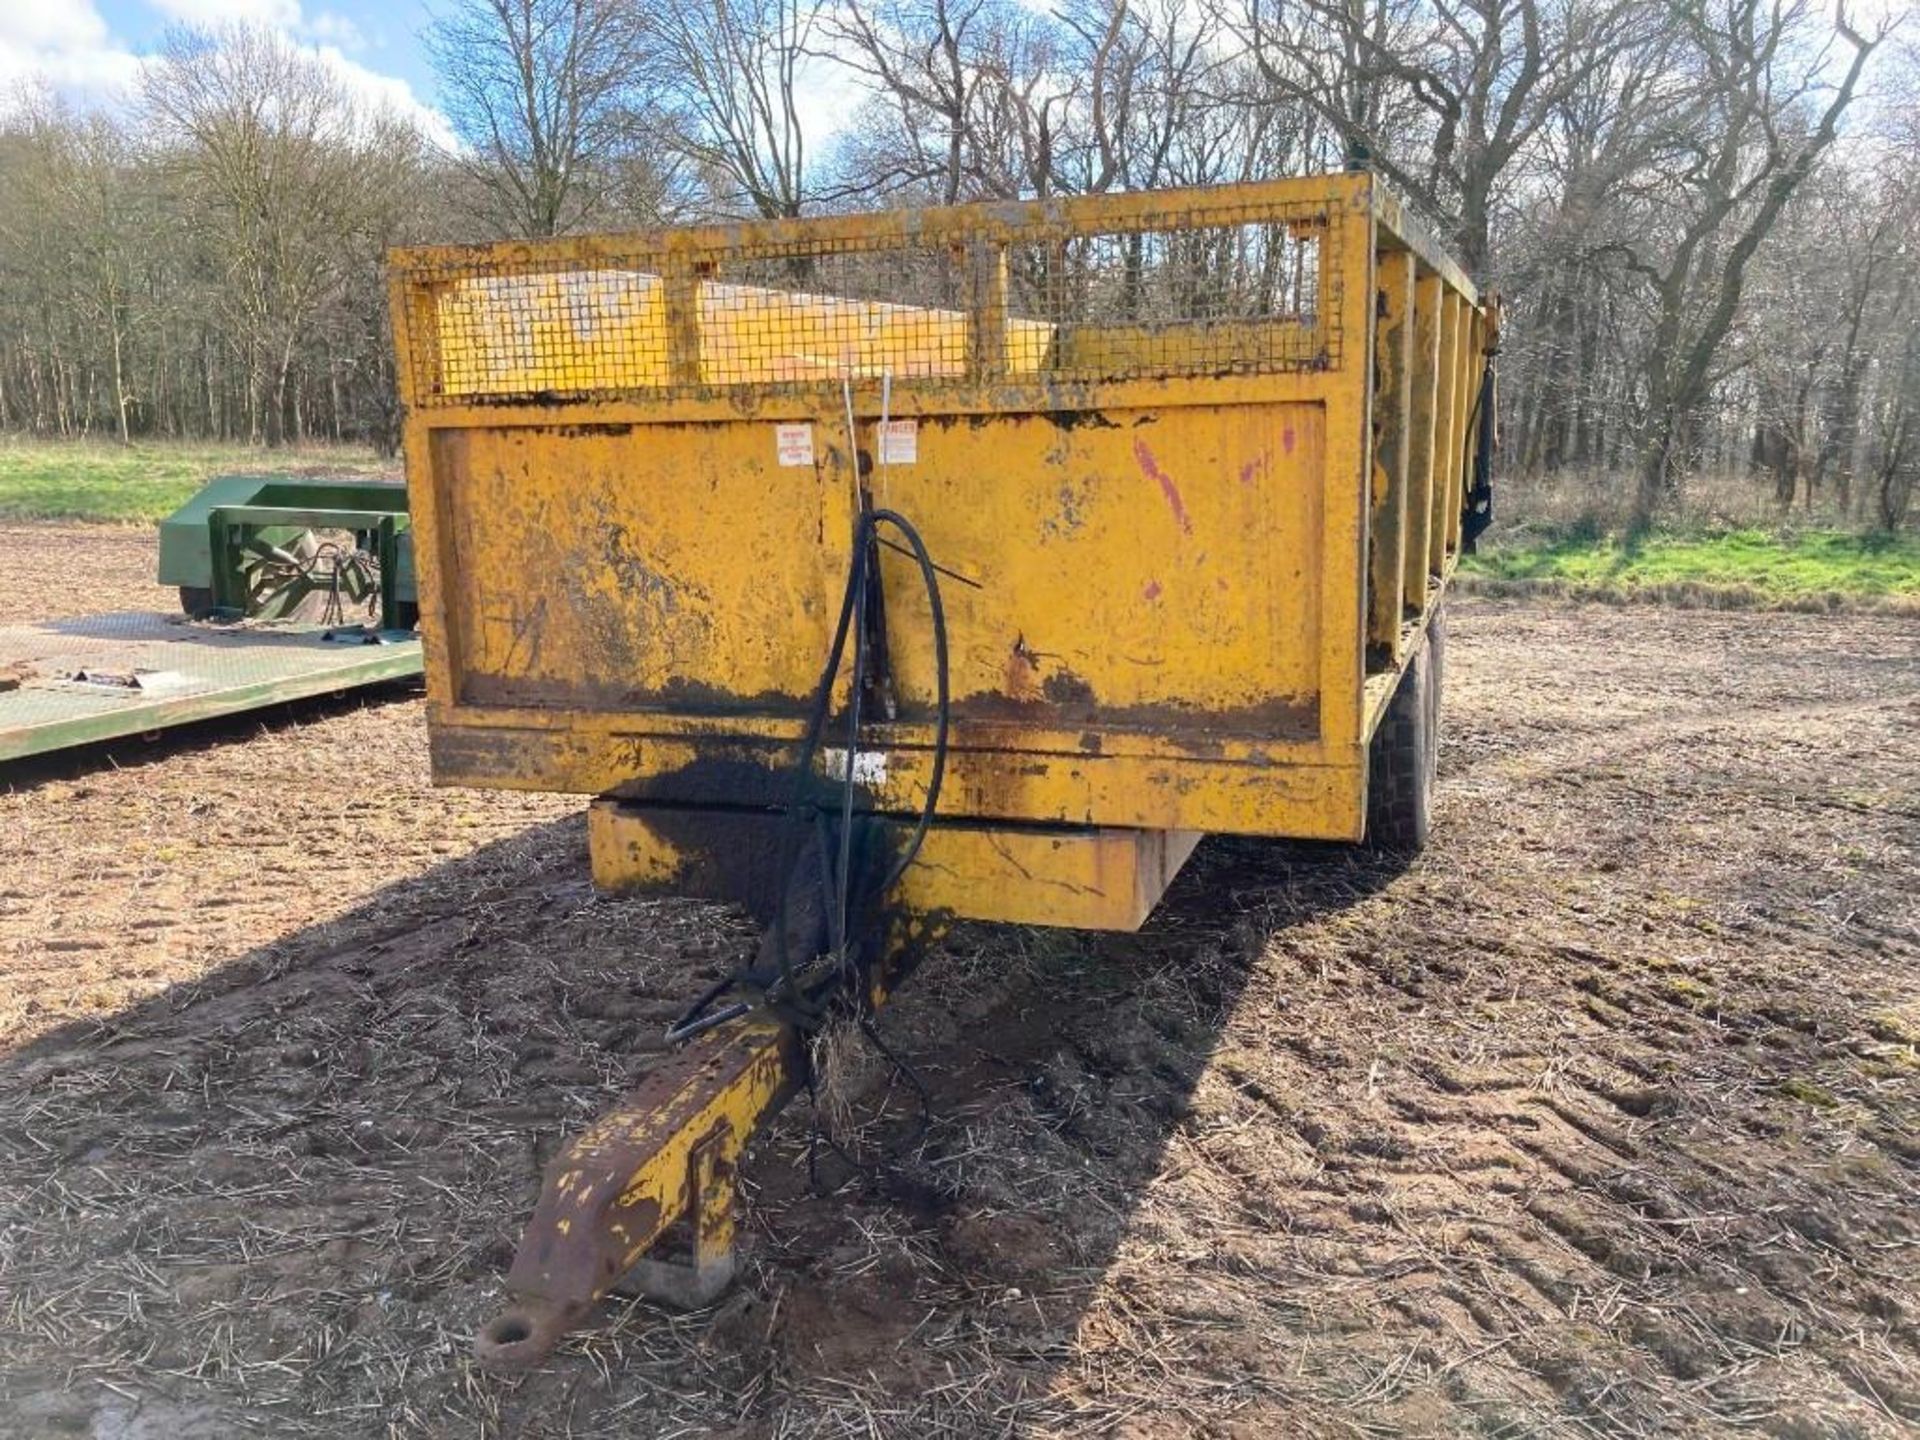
{"x": 289, "y": 587}
{"x": 263, "y": 545}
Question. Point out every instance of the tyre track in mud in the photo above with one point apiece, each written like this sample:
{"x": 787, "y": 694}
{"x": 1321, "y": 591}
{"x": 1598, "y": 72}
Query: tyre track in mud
{"x": 1598, "y": 1119}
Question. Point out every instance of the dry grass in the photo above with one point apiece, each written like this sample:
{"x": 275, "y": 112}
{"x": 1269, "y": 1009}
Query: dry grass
{"x": 1688, "y": 595}
{"x": 1598, "y": 502}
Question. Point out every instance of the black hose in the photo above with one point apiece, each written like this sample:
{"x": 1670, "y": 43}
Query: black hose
{"x": 943, "y": 699}
{"x": 1476, "y": 509}
{"x": 782, "y": 993}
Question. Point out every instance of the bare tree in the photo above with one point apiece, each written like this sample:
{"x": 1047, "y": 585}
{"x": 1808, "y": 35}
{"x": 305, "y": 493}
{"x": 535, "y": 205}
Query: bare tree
{"x": 1442, "y": 96}
{"x": 1816, "y": 296}
{"x": 269, "y": 141}
{"x": 545, "y": 94}
{"x": 1755, "y": 138}
{"x": 918, "y": 58}
{"x": 1895, "y": 415}
{"x": 1708, "y": 260}
{"x": 1164, "y": 98}
{"x": 731, "y": 75}
{"x": 71, "y": 208}
{"x": 1890, "y": 403}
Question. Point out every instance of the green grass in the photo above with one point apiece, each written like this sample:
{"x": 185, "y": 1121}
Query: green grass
{"x": 94, "y": 480}
{"x": 1765, "y": 567}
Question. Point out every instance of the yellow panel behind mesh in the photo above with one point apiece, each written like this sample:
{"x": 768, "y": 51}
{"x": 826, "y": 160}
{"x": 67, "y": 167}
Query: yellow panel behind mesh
{"x": 1192, "y": 284}
{"x": 607, "y": 330}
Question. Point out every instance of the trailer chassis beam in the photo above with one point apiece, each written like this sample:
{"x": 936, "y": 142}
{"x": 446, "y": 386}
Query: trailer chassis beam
{"x": 670, "y": 1149}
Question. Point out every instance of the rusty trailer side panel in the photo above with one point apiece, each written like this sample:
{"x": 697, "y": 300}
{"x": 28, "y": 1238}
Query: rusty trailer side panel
{"x": 1191, "y": 463}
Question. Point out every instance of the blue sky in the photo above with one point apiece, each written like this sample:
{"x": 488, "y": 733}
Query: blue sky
{"x": 89, "y": 50}
{"x": 383, "y": 35}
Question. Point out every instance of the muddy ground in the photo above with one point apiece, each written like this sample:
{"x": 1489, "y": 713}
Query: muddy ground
{"x": 1602, "y": 1118}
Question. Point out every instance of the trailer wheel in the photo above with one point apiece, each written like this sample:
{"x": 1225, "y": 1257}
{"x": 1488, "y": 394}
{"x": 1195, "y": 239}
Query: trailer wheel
{"x": 196, "y": 601}
{"x": 1400, "y": 763}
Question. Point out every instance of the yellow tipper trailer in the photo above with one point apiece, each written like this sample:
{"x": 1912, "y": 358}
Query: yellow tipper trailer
{"x": 1115, "y": 520}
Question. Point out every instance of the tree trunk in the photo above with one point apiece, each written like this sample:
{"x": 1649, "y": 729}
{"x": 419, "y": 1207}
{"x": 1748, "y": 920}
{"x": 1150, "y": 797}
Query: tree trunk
{"x": 1654, "y": 478}
{"x": 120, "y": 385}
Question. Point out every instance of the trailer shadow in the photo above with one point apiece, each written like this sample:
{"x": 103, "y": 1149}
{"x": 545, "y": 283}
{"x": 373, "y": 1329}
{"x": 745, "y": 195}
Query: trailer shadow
{"x": 284, "y": 1195}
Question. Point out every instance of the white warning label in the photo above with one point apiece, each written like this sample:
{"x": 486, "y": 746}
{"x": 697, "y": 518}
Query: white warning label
{"x": 793, "y": 444}
{"x": 900, "y": 442}
{"x": 869, "y": 766}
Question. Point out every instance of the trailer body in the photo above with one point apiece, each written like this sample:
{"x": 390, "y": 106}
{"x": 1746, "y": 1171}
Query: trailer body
{"x": 1191, "y": 467}
{"x": 1193, "y": 534}
{"x": 81, "y": 681}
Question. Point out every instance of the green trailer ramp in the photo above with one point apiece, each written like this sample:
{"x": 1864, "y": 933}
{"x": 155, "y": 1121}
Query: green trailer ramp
{"x": 99, "y": 677}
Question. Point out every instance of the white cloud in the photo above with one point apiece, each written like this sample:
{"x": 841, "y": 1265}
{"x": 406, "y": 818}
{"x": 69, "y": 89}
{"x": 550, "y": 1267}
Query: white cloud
{"x": 330, "y": 27}
{"x": 66, "y": 46}
{"x": 827, "y": 95}
{"x": 276, "y": 14}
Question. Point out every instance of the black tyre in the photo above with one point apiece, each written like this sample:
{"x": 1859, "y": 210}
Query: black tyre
{"x": 1400, "y": 764}
{"x": 196, "y": 601}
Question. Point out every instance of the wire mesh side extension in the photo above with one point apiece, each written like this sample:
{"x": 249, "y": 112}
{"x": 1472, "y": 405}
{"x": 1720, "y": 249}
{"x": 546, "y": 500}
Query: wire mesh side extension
{"x": 1206, "y": 286}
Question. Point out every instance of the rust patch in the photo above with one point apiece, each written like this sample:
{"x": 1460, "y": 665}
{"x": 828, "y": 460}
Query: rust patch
{"x": 593, "y": 1217}
{"x": 680, "y": 695}
{"x": 582, "y": 430}
{"x": 467, "y": 754}
{"x": 1023, "y": 671}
